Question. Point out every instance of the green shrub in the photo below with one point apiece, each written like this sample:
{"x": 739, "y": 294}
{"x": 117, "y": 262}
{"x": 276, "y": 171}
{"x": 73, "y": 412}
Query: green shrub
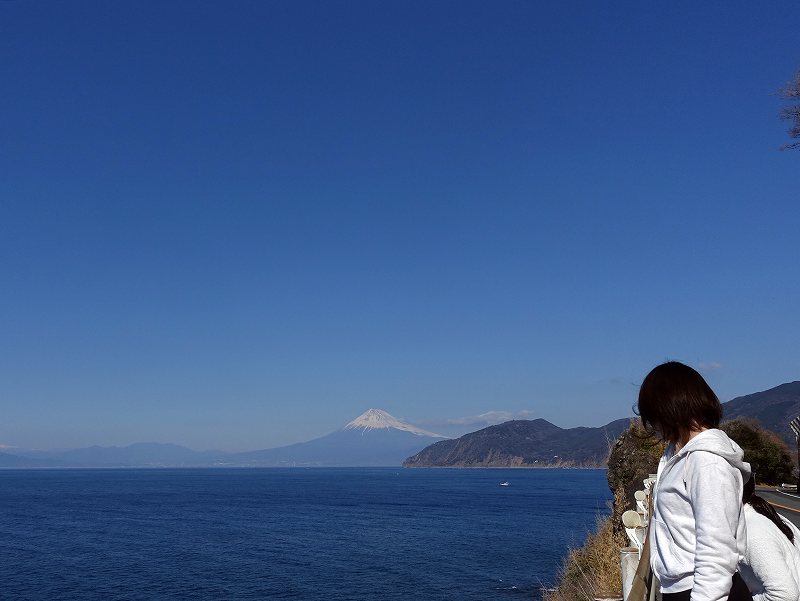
{"x": 764, "y": 450}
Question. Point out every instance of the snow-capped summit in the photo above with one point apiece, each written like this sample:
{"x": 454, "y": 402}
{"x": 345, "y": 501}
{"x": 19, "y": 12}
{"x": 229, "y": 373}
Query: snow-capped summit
{"x": 374, "y": 438}
{"x": 376, "y": 419}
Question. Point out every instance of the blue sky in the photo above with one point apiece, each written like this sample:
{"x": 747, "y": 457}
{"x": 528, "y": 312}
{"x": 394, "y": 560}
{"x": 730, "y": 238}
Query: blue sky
{"x": 240, "y": 225}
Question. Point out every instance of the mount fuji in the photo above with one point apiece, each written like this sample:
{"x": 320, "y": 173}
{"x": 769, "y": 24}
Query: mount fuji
{"x": 374, "y": 438}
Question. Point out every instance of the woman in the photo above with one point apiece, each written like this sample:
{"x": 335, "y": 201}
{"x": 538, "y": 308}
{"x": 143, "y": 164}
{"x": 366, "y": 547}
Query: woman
{"x": 771, "y": 565}
{"x": 697, "y": 530}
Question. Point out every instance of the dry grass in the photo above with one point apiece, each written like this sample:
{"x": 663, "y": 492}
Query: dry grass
{"x": 593, "y": 570}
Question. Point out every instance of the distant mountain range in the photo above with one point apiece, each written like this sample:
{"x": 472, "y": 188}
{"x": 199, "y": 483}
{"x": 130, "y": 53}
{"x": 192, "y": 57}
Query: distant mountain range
{"x": 140, "y": 454}
{"x": 538, "y": 443}
{"x": 774, "y": 408}
{"x": 523, "y": 443}
{"x": 375, "y": 438}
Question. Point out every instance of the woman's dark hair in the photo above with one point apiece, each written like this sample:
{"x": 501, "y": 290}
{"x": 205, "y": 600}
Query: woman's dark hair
{"x": 763, "y": 507}
{"x": 674, "y": 399}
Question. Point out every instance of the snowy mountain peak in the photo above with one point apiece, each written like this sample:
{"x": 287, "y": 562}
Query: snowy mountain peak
{"x": 375, "y": 419}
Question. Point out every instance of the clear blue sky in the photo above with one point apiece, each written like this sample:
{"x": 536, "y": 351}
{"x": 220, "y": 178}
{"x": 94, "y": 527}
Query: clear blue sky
{"x": 239, "y": 225}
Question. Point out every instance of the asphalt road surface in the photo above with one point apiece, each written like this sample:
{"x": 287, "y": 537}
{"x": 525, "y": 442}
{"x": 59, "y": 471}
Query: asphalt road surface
{"x": 787, "y": 504}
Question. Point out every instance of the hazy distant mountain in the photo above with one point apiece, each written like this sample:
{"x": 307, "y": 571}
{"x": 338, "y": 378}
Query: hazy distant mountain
{"x": 774, "y": 408}
{"x": 523, "y": 443}
{"x": 142, "y": 454}
{"x": 375, "y": 438}
{"x": 8, "y": 460}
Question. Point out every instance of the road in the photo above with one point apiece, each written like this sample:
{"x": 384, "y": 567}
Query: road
{"x": 788, "y": 505}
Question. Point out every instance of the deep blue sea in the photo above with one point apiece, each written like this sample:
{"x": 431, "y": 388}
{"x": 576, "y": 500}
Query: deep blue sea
{"x": 316, "y": 534}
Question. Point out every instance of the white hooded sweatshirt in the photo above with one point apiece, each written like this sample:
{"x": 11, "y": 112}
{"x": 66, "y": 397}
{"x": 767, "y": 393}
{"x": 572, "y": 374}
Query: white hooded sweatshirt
{"x": 697, "y": 531}
{"x": 771, "y": 566}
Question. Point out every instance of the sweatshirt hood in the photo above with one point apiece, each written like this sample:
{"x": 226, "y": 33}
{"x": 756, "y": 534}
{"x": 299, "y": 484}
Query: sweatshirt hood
{"x": 717, "y": 442}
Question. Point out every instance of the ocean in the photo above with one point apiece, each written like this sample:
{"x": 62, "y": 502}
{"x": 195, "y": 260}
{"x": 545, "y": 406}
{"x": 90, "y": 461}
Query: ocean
{"x": 378, "y": 534}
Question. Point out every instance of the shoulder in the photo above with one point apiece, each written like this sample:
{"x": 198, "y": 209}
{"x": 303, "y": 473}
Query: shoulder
{"x": 709, "y": 459}
{"x": 764, "y": 537}
{"x": 759, "y": 526}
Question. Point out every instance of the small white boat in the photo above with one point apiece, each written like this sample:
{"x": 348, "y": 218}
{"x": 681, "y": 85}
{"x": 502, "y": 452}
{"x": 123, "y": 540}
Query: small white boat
{"x": 504, "y": 483}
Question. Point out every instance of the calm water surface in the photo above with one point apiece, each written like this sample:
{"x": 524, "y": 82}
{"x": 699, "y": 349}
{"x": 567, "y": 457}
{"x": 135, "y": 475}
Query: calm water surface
{"x": 315, "y": 534}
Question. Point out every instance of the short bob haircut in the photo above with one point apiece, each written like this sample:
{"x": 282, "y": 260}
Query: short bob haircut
{"x": 674, "y": 400}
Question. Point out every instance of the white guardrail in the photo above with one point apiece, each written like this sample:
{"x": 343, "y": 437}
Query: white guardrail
{"x": 635, "y": 522}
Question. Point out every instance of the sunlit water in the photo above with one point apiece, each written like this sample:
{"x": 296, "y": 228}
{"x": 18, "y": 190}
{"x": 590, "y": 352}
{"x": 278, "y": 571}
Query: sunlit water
{"x": 313, "y": 534}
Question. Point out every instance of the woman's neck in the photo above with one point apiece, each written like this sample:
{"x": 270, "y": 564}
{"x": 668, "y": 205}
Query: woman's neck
{"x": 684, "y": 441}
